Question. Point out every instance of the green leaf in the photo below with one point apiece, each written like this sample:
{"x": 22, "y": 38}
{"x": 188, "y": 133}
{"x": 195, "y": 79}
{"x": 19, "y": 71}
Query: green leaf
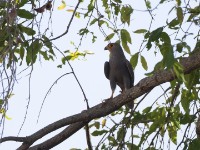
{"x": 93, "y": 21}
{"x": 32, "y": 51}
{"x": 147, "y": 109}
{"x": 178, "y": 69}
{"x": 159, "y": 66}
{"x": 101, "y": 22}
{"x": 109, "y": 37}
{"x": 118, "y": 1}
{"x": 194, "y": 144}
{"x": 59, "y": 66}
{"x": 179, "y": 47}
{"x": 172, "y": 133}
{"x": 155, "y": 35}
{"x": 173, "y": 24}
{"x": 22, "y": 3}
{"x": 83, "y": 31}
{"x": 166, "y": 50}
{"x": 25, "y": 14}
{"x": 144, "y": 62}
{"x": 121, "y": 134}
{"x": 134, "y": 60}
{"x": 165, "y": 38}
{"x": 105, "y": 3}
{"x": 108, "y": 12}
{"x": 195, "y": 10}
{"x": 126, "y": 47}
{"x": 1, "y": 102}
{"x": 153, "y": 127}
{"x": 97, "y": 125}
{"x": 132, "y": 146}
{"x": 180, "y": 14}
{"x": 178, "y": 2}
{"x": 125, "y": 36}
{"x": 36, "y": 46}
{"x": 112, "y": 141}
{"x": 3, "y": 4}
{"x": 168, "y": 55}
{"x": 3, "y": 36}
{"x": 116, "y": 9}
{"x": 28, "y": 31}
{"x": 151, "y": 148}
{"x": 45, "y": 55}
{"x": 162, "y": 1}
{"x": 100, "y": 132}
{"x": 192, "y": 80}
{"x": 185, "y": 119}
{"x": 91, "y": 5}
{"x": 148, "y": 4}
{"x": 48, "y": 44}
{"x": 126, "y": 12}
{"x": 190, "y": 18}
{"x": 185, "y": 100}
{"x": 139, "y": 31}
{"x": 21, "y": 52}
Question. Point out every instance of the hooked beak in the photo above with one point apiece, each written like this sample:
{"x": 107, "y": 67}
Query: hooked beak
{"x": 106, "y": 48}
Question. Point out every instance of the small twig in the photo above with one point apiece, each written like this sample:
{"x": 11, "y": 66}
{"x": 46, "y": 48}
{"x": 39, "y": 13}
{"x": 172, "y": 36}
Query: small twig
{"x": 29, "y": 99}
{"x": 87, "y": 131}
{"x": 72, "y": 70}
{"x": 149, "y": 10}
{"x": 49, "y": 92}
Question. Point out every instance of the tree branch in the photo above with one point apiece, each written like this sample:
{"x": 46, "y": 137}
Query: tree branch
{"x": 67, "y": 132}
{"x": 13, "y": 138}
{"x": 72, "y": 17}
{"x": 79, "y": 120}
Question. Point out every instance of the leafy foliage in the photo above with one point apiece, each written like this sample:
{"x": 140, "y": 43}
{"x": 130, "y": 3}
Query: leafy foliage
{"x": 146, "y": 127}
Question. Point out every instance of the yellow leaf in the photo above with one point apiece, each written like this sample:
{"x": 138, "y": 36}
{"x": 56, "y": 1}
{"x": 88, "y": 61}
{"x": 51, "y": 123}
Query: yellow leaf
{"x": 77, "y": 15}
{"x": 8, "y": 118}
{"x": 70, "y": 10}
{"x": 10, "y": 95}
{"x": 103, "y": 122}
{"x": 88, "y": 52}
{"x": 3, "y": 112}
{"x": 62, "y": 6}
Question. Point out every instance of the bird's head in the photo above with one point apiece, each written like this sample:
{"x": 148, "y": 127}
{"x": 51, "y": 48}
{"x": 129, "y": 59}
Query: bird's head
{"x": 113, "y": 47}
{"x": 115, "y": 50}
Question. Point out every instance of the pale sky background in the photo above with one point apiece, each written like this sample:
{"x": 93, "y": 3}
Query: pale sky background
{"x": 66, "y": 97}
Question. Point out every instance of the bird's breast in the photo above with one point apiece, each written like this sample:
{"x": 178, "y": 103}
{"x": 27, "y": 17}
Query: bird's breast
{"x": 118, "y": 69}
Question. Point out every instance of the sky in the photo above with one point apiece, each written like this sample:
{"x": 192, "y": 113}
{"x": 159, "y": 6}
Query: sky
{"x": 66, "y": 98}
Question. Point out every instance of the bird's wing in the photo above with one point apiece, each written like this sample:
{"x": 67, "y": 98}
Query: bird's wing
{"x": 130, "y": 70}
{"x": 107, "y": 69}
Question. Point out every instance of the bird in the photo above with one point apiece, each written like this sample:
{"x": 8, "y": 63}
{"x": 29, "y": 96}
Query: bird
{"x": 118, "y": 70}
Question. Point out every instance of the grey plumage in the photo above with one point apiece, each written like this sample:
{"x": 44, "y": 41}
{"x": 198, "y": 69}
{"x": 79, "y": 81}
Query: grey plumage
{"x": 118, "y": 70}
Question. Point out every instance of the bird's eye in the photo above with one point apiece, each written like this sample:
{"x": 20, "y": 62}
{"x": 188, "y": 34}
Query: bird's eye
{"x": 111, "y": 45}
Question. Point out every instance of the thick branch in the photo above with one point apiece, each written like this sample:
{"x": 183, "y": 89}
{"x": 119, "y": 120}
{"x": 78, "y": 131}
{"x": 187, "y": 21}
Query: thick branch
{"x": 56, "y": 139}
{"x": 190, "y": 63}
